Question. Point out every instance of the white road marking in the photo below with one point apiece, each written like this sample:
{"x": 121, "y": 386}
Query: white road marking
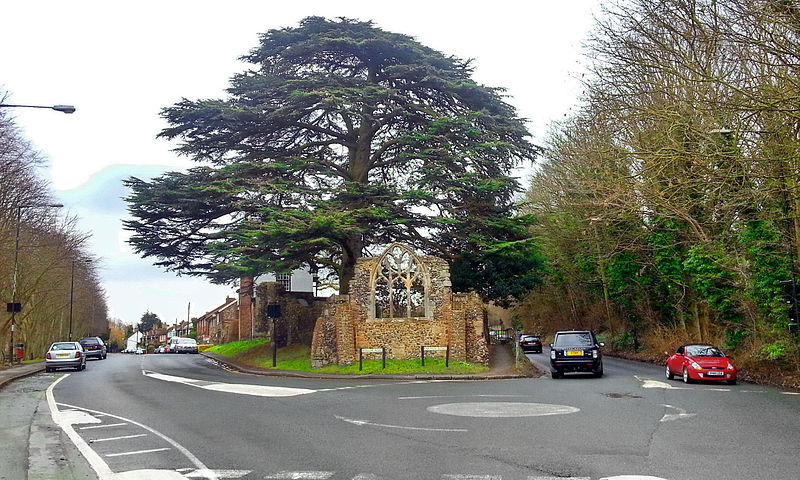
{"x": 720, "y": 389}
{"x": 238, "y": 388}
{"x": 216, "y": 473}
{"x": 137, "y": 452}
{"x": 633, "y": 477}
{"x": 117, "y": 438}
{"x": 471, "y": 477}
{"x": 200, "y": 465}
{"x": 366, "y": 476}
{"x": 675, "y": 416}
{"x": 559, "y": 478}
{"x": 649, "y": 383}
{"x": 105, "y": 425}
{"x": 364, "y": 422}
{"x": 501, "y": 409}
{"x": 301, "y": 475}
{"x": 461, "y": 396}
{"x": 98, "y": 465}
{"x": 790, "y": 393}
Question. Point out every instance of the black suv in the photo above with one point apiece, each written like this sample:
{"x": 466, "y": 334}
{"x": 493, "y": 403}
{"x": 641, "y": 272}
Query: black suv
{"x": 530, "y": 342}
{"x": 576, "y": 351}
{"x": 94, "y": 347}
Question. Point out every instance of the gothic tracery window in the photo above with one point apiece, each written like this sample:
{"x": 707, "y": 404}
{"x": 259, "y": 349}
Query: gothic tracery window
{"x": 399, "y": 288}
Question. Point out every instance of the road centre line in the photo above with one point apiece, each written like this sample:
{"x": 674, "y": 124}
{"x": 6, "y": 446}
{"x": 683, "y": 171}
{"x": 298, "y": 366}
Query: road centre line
{"x": 136, "y": 452}
{"x": 364, "y": 422}
{"x": 106, "y": 425}
{"x": 117, "y": 438}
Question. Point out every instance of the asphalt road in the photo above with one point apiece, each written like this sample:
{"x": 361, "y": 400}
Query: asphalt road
{"x": 189, "y": 418}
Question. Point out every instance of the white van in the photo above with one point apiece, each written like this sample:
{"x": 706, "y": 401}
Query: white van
{"x": 182, "y": 345}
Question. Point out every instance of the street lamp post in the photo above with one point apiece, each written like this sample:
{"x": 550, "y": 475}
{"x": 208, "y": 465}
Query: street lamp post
{"x": 58, "y": 108}
{"x": 72, "y": 293}
{"x": 13, "y": 307}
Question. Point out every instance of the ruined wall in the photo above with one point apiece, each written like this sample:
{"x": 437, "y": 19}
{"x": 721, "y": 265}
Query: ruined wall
{"x": 299, "y": 312}
{"x": 348, "y": 323}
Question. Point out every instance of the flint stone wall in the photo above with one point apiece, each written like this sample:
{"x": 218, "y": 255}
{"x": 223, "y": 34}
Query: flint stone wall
{"x": 348, "y": 322}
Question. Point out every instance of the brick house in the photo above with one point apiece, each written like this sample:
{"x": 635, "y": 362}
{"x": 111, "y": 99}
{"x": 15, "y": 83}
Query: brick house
{"x": 216, "y": 325}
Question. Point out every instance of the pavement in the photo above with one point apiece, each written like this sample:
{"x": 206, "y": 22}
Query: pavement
{"x": 501, "y": 367}
{"x": 9, "y": 374}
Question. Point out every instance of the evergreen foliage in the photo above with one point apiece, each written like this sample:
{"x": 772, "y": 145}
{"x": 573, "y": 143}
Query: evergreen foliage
{"x": 340, "y": 137}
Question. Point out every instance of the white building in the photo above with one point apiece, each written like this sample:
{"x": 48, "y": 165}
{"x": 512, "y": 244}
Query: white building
{"x": 133, "y": 342}
{"x": 299, "y": 280}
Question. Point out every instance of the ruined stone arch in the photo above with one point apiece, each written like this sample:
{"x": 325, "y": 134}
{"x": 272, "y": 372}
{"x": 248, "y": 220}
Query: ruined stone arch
{"x": 399, "y": 285}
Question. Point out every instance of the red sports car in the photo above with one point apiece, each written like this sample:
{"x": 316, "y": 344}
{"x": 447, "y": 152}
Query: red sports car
{"x": 701, "y": 362}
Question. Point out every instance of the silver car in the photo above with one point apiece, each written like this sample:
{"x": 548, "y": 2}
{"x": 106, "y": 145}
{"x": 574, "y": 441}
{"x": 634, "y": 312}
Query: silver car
{"x": 65, "y": 355}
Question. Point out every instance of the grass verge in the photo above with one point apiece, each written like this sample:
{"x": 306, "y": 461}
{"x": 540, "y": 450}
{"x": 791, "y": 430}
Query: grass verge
{"x": 298, "y": 358}
{"x": 234, "y": 348}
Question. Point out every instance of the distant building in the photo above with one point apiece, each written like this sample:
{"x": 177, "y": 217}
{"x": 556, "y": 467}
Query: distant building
{"x": 133, "y": 342}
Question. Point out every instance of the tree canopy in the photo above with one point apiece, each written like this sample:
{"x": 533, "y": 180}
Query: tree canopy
{"x": 341, "y": 136}
{"x": 148, "y": 321}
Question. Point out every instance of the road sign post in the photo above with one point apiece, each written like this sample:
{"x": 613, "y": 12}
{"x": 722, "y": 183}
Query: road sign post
{"x": 362, "y": 351}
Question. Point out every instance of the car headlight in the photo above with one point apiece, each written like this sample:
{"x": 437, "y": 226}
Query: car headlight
{"x": 696, "y": 366}
{"x": 594, "y": 353}
{"x": 553, "y": 354}
{"x": 730, "y": 366}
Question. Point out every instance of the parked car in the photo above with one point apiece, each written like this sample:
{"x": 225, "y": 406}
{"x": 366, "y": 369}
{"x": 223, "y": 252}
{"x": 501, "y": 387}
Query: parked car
{"x": 65, "y": 355}
{"x": 182, "y": 345}
{"x": 701, "y": 362}
{"x": 576, "y": 351}
{"x": 139, "y": 351}
{"x": 94, "y": 347}
{"x": 531, "y": 343}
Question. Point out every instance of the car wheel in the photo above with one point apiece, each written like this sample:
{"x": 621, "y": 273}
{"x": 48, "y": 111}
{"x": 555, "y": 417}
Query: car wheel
{"x": 669, "y": 374}
{"x": 686, "y": 377}
{"x": 48, "y": 369}
{"x": 555, "y": 374}
{"x": 599, "y": 373}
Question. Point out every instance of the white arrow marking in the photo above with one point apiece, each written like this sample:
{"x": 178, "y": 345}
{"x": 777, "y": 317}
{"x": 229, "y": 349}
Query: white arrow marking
{"x": 300, "y": 475}
{"x": 648, "y": 383}
{"x": 361, "y": 423}
{"x": 675, "y": 416}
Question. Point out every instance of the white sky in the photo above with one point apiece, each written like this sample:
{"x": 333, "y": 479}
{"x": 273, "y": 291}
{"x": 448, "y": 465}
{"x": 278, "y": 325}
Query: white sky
{"x": 120, "y": 62}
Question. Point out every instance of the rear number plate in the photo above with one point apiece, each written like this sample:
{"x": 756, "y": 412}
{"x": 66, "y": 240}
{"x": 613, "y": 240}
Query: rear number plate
{"x": 62, "y": 355}
{"x": 574, "y": 353}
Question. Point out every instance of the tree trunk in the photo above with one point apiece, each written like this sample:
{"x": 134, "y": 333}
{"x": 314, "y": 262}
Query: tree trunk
{"x": 351, "y": 251}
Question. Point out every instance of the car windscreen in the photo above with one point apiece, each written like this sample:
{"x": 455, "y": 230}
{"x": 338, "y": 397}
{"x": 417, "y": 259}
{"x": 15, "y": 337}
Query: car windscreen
{"x": 703, "y": 351}
{"x": 186, "y": 341}
{"x": 63, "y": 346}
{"x": 89, "y": 341}
{"x": 574, "y": 340}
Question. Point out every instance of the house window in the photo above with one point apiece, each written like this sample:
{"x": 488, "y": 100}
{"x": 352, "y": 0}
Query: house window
{"x": 284, "y": 279}
{"x": 399, "y": 288}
